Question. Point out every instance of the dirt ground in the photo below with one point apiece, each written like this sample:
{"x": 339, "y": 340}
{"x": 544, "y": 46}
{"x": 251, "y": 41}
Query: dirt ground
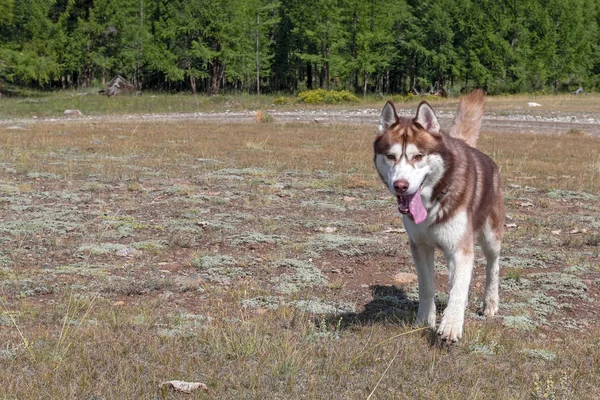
{"x": 269, "y": 217}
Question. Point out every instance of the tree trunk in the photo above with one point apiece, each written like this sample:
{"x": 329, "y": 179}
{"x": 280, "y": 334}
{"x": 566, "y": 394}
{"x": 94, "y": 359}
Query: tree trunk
{"x": 309, "y": 76}
{"x": 214, "y": 84}
{"x": 193, "y": 84}
{"x": 412, "y": 73}
{"x": 387, "y": 81}
{"x": 354, "y": 47}
{"x": 257, "y": 56}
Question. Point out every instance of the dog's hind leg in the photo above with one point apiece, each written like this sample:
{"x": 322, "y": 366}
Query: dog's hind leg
{"x": 490, "y": 241}
{"x": 423, "y": 256}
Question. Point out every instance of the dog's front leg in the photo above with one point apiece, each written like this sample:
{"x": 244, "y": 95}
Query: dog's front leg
{"x": 460, "y": 265}
{"x": 423, "y": 256}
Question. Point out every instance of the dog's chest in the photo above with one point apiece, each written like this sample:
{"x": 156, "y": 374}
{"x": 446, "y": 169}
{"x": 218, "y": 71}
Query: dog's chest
{"x": 445, "y": 235}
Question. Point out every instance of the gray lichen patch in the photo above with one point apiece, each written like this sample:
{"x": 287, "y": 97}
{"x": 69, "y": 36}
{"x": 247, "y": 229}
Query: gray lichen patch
{"x": 256, "y": 238}
{"x": 303, "y": 274}
{"x": 27, "y": 287}
{"x": 561, "y": 282}
{"x": 542, "y": 305}
{"x": 182, "y": 325}
{"x": 43, "y": 175}
{"x": 213, "y": 261}
{"x": 521, "y": 262}
{"x": 488, "y": 349}
{"x": 239, "y": 172}
{"x": 520, "y": 322}
{"x": 569, "y": 195}
{"x": 50, "y": 220}
{"x": 514, "y": 285}
{"x": 322, "y": 205}
{"x": 98, "y": 249}
{"x": 9, "y": 189}
{"x": 219, "y": 268}
{"x": 81, "y": 269}
{"x": 153, "y": 246}
{"x": 540, "y": 354}
{"x": 266, "y": 302}
{"x": 323, "y": 307}
{"x": 344, "y": 245}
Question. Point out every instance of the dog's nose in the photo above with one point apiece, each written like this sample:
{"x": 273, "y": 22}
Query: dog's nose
{"x": 401, "y": 185}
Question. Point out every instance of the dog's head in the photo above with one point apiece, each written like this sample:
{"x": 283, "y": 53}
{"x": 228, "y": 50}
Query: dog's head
{"x": 407, "y": 157}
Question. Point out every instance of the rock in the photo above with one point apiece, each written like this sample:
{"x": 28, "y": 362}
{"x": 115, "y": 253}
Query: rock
{"x": 72, "y": 113}
{"x": 183, "y": 387}
{"x": 533, "y": 104}
{"x": 118, "y": 85}
{"x": 328, "y": 229}
{"x": 128, "y": 252}
{"x": 395, "y": 230}
{"x": 166, "y": 296}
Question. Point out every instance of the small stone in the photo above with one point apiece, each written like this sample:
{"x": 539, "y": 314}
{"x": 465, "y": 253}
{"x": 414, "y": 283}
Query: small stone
{"x": 118, "y": 303}
{"x": 128, "y": 252}
{"x": 183, "y": 387}
{"x": 395, "y": 230}
{"x": 71, "y": 113}
{"x": 166, "y": 296}
{"x": 511, "y": 225}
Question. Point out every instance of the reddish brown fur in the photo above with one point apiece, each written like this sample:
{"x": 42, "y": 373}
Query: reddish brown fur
{"x": 471, "y": 178}
{"x": 467, "y": 122}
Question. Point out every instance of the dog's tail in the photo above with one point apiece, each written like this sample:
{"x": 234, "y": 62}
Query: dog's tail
{"x": 467, "y": 122}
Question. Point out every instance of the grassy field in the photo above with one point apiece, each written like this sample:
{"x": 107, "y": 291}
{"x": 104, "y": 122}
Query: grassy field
{"x": 27, "y": 104}
{"x": 268, "y": 261}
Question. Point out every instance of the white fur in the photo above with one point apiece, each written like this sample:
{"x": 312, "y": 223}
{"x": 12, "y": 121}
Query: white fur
{"x": 425, "y": 237}
{"x": 490, "y": 245}
{"x": 424, "y": 173}
{"x": 414, "y": 175}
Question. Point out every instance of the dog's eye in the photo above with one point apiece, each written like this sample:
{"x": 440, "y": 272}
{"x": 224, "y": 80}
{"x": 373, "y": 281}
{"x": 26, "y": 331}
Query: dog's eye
{"x": 418, "y": 157}
{"x": 390, "y": 157}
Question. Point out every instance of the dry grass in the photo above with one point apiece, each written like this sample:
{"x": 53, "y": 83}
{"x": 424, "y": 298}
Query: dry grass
{"x": 116, "y": 353}
{"x": 87, "y": 324}
{"x": 571, "y": 162}
{"x": 53, "y": 104}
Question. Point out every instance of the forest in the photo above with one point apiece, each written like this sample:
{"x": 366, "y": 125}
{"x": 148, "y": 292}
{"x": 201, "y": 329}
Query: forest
{"x": 260, "y": 46}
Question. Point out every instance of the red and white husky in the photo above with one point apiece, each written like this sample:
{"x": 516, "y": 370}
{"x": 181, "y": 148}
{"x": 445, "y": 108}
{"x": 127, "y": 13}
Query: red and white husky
{"x": 449, "y": 193}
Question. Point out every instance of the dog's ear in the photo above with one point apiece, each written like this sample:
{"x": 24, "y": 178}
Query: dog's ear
{"x": 387, "y": 118}
{"x": 427, "y": 119}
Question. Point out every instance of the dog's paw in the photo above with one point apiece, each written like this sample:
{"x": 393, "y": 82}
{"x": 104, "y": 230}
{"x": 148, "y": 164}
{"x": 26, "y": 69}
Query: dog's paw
{"x": 490, "y": 307}
{"x": 426, "y": 317}
{"x": 451, "y": 328}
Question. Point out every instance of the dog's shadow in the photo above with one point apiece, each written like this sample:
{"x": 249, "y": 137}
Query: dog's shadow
{"x": 390, "y": 305}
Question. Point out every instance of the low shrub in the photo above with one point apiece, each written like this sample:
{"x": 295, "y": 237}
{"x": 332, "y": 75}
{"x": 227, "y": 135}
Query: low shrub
{"x": 322, "y": 96}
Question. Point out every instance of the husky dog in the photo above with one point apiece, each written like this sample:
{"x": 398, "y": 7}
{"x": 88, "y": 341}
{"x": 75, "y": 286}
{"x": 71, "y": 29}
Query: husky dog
{"x": 449, "y": 195}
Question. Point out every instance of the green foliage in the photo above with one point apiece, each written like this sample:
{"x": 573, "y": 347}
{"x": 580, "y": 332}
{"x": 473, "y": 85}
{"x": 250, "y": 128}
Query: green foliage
{"x": 280, "y": 101}
{"x": 372, "y": 46}
{"x": 321, "y": 96}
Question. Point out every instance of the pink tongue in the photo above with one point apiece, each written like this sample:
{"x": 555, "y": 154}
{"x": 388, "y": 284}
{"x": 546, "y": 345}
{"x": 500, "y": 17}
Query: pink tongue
{"x": 416, "y": 208}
